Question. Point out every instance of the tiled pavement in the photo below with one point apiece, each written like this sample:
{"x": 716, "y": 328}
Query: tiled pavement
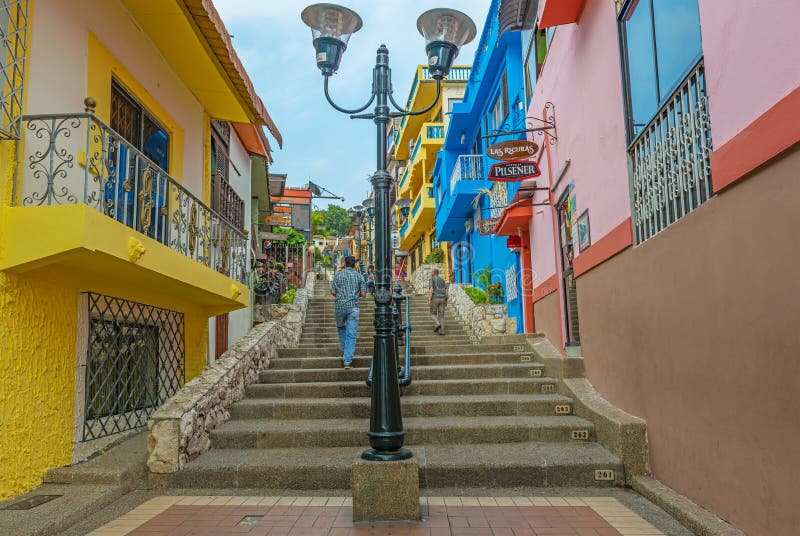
{"x": 332, "y": 516}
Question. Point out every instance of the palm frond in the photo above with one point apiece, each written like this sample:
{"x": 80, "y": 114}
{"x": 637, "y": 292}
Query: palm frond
{"x": 477, "y": 201}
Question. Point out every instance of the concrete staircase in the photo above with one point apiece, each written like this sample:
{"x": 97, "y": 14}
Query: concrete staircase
{"x": 475, "y": 416}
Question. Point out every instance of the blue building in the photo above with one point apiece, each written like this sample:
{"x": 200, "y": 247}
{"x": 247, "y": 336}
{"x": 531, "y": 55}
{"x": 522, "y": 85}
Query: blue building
{"x": 466, "y": 202}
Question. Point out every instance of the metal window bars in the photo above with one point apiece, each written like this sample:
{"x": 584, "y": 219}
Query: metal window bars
{"x": 469, "y": 167}
{"x": 135, "y": 361}
{"x": 13, "y": 34}
{"x": 77, "y": 158}
{"x": 669, "y": 161}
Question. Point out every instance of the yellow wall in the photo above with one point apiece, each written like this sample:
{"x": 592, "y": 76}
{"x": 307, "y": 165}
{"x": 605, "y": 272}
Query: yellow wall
{"x": 39, "y": 312}
{"x": 103, "y": 67}
{"x": 37, "y": 363}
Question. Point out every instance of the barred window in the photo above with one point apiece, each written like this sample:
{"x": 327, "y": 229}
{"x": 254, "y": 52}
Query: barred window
{"x": 134, "y": 363}
{"x": 13, "y": 32}
{"x": 667, "y": 116}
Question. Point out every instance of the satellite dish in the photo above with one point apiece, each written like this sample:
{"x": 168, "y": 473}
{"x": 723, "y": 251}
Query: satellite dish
{"x": 315, "y": 190}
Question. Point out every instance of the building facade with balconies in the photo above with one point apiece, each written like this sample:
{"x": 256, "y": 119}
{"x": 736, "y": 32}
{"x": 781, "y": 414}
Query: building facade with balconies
{"x": 467, "y": 203}
{"x": 661, "y": 243}
{"x": 129, "y": 136}
{"x": 417, "y": 141}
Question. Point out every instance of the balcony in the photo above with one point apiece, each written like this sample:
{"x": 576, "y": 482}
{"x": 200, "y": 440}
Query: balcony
{"x": 83, "y": 185}
{"x": 671, "y": 173}
{"x": 423, "y": 90}
{"x": 420, "y": 219}
{"x": 466, "y": 180}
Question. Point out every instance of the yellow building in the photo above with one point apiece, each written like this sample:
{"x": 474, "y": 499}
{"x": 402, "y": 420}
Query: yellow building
{"x": 416, "y": 141}
{"x": 112, "y": 259}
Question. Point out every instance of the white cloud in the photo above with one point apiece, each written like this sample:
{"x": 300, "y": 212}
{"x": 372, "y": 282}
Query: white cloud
{"x": 319, "y": 143}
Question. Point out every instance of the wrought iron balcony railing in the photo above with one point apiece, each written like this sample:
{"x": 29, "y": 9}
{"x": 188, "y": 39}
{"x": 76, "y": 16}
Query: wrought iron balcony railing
{"x": 670, "y": 169}
{"x": 77, "y": 158}
{"x": 469, "y": 167}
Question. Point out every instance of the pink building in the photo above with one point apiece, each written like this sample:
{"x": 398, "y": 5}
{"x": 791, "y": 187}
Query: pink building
{"x": 666, "y": 252}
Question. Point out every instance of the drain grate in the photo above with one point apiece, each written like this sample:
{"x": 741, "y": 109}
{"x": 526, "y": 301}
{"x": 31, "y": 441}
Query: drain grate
{"x": 31, "y": 502}
{"x": 249, "y": 521}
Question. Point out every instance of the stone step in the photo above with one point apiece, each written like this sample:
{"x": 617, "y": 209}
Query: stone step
{"x": 412, "y": 406}
{"x": 273, "y": 434}
{"x": 484, "y": 386}
{"x": 369, "y": 327}
{"x": 367, "y": 340}
{"x": 321, "y": 325}
{"x": 364, "y": 350}
{"x": 460, "y": 371}
{"x": 473, "y": 358}
{"x": 501, "y": 465}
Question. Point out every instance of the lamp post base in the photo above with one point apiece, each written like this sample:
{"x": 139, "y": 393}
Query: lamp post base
{"x": 385, "y": 491}
{"x": 386, "y": 456}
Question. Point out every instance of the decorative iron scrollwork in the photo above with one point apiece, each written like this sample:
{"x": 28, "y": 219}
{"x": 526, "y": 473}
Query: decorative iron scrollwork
{"x": 146, "y": 200}
{"x": 192, "y": 229}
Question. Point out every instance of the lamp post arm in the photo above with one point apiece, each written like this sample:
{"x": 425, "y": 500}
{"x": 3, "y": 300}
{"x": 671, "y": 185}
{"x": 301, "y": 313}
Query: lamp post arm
{"x": 344, "y": 110}
{"x": 403, "y": 111}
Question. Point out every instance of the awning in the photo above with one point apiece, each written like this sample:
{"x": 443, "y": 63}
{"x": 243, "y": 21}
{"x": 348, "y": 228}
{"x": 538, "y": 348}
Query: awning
{"x": 558, "y": 12}
{"x": 514, "y": 217}
{"x": 253, "y": 139}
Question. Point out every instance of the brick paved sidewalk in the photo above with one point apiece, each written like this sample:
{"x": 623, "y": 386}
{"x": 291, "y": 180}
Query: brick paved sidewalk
{"x": 332, "y": 516}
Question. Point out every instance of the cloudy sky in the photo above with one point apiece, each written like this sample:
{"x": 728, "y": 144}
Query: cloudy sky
{"x": 321, "y": 144}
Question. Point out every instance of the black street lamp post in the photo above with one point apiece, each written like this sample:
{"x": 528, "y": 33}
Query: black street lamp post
{"x": 369, "y": 210}
{"x": 445, "y": 31}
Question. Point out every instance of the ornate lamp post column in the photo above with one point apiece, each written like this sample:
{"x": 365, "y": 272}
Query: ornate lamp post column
{"x": 445, "y": 31}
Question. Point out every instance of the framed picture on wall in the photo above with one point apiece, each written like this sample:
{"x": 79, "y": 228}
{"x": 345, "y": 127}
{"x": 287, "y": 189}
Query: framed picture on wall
{"x": 584, "y": 235}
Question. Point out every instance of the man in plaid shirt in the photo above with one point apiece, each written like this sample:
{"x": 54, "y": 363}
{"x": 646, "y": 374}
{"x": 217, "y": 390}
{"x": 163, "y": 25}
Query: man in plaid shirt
{"x": 347, "y": 286}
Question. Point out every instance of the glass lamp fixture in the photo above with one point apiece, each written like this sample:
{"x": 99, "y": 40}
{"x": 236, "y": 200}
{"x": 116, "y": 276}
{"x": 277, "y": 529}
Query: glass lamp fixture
{"x": 445, "y": 32}
{"x": 369, "y": 205}
{"x": 404, "y": 205}
{"x": 331, "y": 28}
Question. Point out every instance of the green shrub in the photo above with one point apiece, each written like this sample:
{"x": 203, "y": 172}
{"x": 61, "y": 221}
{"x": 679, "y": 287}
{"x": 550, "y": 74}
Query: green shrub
{"x": 496, "y": 294}
{"x": 288, "y": 296}
{"x": 436, "y": 256}
{"x": 476, "y": 295}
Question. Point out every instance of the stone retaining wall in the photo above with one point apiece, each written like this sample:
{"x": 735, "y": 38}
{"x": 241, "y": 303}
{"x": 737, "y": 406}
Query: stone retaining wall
{"x": 479, "y": 320}
{"x": 421, "y": 278}
{"x": 180, "y": 429}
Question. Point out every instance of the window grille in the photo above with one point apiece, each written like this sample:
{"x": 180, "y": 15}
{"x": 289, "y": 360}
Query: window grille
{"x": 13, "y": 32}
{"x": 512, "y": 291}
{"x": 135, "y": 360}
{"x": 498, "y": 199}
{"x": 670, "y": 167}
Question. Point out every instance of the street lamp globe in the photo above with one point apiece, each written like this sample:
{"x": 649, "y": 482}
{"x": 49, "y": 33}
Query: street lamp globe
{"x": 331, "y": 27}
{"x": 403, "y": 204}
{"x": 445, "y": 32}
{"x": 369, "y": 205}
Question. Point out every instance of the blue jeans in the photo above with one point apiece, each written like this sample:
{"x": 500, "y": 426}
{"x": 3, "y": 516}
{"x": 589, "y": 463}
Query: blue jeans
{"x": 347, "y": 326}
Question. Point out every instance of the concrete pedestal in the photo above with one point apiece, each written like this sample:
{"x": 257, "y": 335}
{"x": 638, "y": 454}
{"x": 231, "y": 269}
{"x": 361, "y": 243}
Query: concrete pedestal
{"x": 386, "y": 491}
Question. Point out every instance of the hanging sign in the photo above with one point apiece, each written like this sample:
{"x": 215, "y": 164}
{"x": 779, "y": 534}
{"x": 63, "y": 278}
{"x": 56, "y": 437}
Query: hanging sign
{"x": 514, "y": 171}
{"x": 512, "y": 150}
{"x": 486, "y": 227}
{"x": 276, "y": 220}
{"x": 513, "y": 242}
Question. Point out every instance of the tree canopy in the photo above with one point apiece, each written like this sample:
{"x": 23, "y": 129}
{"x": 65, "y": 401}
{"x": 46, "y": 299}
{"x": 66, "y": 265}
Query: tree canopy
{"x": 335, "y": 218}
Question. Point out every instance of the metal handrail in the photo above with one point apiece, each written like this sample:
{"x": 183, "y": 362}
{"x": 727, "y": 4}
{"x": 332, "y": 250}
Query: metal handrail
{"x": 121, "y": 182}
{"x": 404, "y": 378}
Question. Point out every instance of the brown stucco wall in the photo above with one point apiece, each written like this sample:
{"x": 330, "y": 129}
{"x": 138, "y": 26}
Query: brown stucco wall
{"x": 696, "y": 331}
{"x": 547, "y": 318}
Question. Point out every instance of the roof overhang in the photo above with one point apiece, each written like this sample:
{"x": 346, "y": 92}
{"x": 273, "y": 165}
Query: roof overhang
{"x": 517, "y": 15}
{"x": 192, "y": 38}
{"x": 277, "y": 184}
